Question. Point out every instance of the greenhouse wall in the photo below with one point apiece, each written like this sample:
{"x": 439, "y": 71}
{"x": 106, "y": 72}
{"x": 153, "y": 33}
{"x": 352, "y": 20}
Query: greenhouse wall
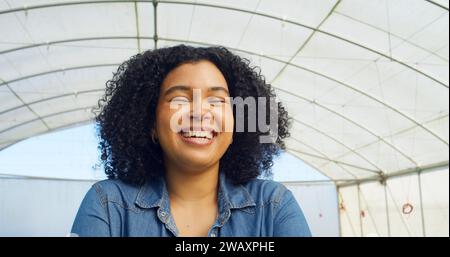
{"x": 411, "y": 205}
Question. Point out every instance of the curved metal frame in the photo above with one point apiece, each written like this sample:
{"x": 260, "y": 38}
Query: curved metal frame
{"x": 351, "y": 121}
{"x": 43, "y": 117}
{"x": 338, "y": 142}
{"x": 331, "y": 79}
{"x": 102, "y": 65}
{"x": 323, "y": 157}
{"x": 251, "y": 53}
{"x": 280, "y": 89}
{"x": 156, "y": 2}
{"x": 437, "y": 4}
{"x": 46, "y": 116}
{"x": 54, "y": 97}
{"x": 72, "y": 40}
{"x": 326, "y": 157}
{"x": 90, "y": 107}
{"x": 263, "y": 56}
{"x": 102, "y": 89}
{"x": 58, "y": 128}
{"x": 87, "y": 121}
{"x": 56, "y": 71}
{"x": 296, "y": 95}
{"x": 395, "y": 134}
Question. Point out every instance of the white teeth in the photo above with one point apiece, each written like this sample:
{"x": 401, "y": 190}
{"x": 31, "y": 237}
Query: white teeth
{"x": 204, "y": 134}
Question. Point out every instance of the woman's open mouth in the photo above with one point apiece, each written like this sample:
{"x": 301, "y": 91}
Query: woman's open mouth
{"x": 200, "y": 138}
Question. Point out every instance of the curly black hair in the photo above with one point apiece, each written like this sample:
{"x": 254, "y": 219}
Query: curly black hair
{"x": 126, "y": 115}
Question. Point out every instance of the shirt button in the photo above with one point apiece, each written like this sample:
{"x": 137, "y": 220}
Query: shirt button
{"x": 163, "y": 214}
{"x": 213, "y": 234}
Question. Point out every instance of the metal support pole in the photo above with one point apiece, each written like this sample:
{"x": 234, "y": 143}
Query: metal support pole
{"x": 387, "y": 207}
{"x": 155, "y": 23}
{"x": 359, "y": 210}
{"x": 138, "y": 34}
{"x": 338, "y": 209}
{"x": 422, "y": 213}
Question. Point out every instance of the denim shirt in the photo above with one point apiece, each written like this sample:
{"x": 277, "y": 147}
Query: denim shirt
{"x": 256, "y": 208}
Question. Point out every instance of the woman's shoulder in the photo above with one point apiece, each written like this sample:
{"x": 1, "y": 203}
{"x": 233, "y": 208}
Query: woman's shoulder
{"x": 112, "y": 186}
{"x": 265, "y": 190}
{"x": 115, "y": 190}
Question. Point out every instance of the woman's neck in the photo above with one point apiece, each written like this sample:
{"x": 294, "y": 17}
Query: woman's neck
{"x": 192, "y": 186}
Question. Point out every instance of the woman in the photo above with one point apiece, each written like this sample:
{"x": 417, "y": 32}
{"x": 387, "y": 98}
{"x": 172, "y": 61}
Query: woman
{"x": 196, "y": 178}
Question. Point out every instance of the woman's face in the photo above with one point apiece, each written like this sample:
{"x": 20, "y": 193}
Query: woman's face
{"x": 194, "y": 117}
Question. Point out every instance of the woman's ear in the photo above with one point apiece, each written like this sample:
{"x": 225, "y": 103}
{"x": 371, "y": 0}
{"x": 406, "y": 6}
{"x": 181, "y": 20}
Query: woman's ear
{"x": 154, "y": 136}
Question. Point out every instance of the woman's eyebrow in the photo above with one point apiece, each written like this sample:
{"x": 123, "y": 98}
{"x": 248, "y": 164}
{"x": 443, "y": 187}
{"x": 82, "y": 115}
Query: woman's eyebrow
{"x": 177, "y": 88}
{"x": 219, "y": 89}
{"x": 187, "y": 88}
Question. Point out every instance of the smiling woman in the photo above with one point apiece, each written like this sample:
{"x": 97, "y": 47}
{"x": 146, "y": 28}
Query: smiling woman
{"x": 176, "y": 163}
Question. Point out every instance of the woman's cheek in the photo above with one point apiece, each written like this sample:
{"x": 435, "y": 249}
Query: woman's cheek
{"x": 174, "y": 117}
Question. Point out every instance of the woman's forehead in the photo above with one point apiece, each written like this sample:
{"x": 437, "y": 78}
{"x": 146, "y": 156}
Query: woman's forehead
{"x": 199, "y": 75}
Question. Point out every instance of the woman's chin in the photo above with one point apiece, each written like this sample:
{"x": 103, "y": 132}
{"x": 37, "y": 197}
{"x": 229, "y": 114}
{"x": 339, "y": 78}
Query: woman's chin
{"x": 197, "y": 161}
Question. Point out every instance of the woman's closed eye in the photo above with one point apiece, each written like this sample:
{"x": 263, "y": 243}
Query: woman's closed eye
{"x": 216, "y": 100}
{"x": 180, "y": 100}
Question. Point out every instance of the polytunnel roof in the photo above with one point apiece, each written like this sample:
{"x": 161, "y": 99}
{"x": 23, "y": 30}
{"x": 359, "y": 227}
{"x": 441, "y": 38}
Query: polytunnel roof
{"x": 366, "y": 82}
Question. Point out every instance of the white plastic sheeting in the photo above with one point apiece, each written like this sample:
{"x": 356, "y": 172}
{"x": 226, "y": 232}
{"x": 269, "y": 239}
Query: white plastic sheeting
{"x": 319, "y": 205}
{"x": 411, "y": 205}
{"x": 39, "y": 207}
{"x": 365, "y": 81}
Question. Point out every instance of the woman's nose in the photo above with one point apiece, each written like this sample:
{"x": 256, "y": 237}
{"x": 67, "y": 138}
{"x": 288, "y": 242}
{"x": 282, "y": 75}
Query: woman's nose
{"x": 200, "y": 113}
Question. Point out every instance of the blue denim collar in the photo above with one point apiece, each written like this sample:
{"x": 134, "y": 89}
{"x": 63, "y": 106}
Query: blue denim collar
{"x": 230, "y": 196}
